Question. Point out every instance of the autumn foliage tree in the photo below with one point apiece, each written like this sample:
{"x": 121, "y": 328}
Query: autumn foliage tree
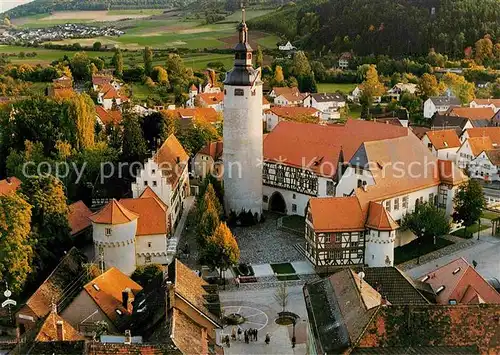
{"x": 221, "y": 250}
{"x": 279, "y": 78}
{"x": 372, "y": 86}
{"x": 82, "y": 110}
{"x": 15, "y": 241}
{"x": 460, "y": 87}
{"x": 428, "y": 85}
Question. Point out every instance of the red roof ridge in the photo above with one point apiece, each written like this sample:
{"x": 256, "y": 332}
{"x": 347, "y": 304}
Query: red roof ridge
{"x": 107, "y": 214}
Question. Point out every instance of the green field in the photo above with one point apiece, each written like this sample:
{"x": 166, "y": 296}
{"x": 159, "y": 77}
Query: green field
{"x": 44, "y": 56}
{"x": 332, "y": 87}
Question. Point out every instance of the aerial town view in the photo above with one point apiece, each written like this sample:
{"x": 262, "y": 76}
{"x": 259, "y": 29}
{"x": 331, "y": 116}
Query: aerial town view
{"x": 250, "y": 177}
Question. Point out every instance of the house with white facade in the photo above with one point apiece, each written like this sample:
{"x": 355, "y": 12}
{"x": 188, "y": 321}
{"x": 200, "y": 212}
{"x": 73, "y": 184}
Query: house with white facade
{"x": 479, "y": 116}
{"x": 209, "y": 161}
{"x": 108, "y": 96}
{"x": 328, "y": 104}
{"x": 276, "y": 114}
{"x": 471, "y": 148}
{"x": 288, "y": 96}
{"x": 355, "y": 95}
{"x": 492, "y": 103}
{"x": 397, "y": 90}
{"x": 443, "y": 144}
{"x": 486, "y": 166}
{"x": 213, "y": 100}
{"x": 344, "y": 60}
{"x": 372, "y": 196}
{"x": 477, "y": 132}
{"x": 101, "y": 80}
{"x": 287, "y": 47}
{"x": 440, "y": 104}
{"x": 166, "y": 173}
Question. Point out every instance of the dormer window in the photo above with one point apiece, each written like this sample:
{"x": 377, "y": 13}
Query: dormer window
{"x": 440, "y": 289}
{"x": 118, "y": 312}
{"x": 456, "y": 271}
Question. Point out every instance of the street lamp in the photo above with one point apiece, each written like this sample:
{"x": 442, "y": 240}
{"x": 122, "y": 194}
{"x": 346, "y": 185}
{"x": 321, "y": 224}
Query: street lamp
{"x": 420, "y": 245}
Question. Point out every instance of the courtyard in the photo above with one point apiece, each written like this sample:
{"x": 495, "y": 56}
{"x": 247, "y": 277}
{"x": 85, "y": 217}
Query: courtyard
{"x": 260, "y": 310}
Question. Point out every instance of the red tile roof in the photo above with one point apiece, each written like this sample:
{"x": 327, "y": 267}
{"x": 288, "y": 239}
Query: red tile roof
{"x": 461, "y": 282}
{"x": 206, "y": 114}
{"x": 171, "y": 158}
{"x": 213, "y": 149}
{"x": 320, "y": 147}
{"x": 78, "y": 217}
{"x": 492, "y": 132}
{"x": 111, "y": 117}
{"x": 479, "y": 144}
{"x": 148, "y": 192}
{"x": 48, "y": 330}
{"x": 336, "y": 214}
{"x": 494, "y": 156}
{"x": 478, "y": 113}
{"x": 187, "y": 335}
{"x": 285, "y": 90}
{"x": 419, "y": 131}
{"x": 152, "y": 215}
{"x": 113, "y": 213}
{"x": 193, "y": 88}
{"x": 9, "y": 185}
{"x": 444, "y": 139}
{"x": 107, "y": 292}
{"x": 101, "y": 80}
{"x": 292, "y": 112}
{"x": 379, "y": 219}
{"x": 494, "y": 102}
{"x": 211, "y": 98}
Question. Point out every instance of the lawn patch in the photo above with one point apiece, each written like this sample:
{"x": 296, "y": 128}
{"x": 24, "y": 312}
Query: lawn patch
{"x": 469, "y": 232}
{"x": 490, "y": 214}
{"x": 345, "y": 88}
{"x": 412, "y": 250}
{"x": 283, "y": 268}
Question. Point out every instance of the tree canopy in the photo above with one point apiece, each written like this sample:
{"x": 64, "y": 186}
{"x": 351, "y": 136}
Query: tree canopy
{"x": 427, "y": 221}
{"x": 469, "y": 203}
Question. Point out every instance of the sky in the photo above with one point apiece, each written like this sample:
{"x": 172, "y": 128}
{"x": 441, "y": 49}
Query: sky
{"x": 9, "y": 4}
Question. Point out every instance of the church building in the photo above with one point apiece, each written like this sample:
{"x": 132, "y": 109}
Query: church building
{"x": 242, "y": 132}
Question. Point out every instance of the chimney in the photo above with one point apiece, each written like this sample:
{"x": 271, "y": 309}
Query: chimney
{"x": 60, "y": 330}
{"x": 125, "y": 294}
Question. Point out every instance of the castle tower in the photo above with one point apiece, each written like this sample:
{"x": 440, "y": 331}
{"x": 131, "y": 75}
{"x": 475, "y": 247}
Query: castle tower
{"x": 113, "y": 232}
{"x": 242, "y": 153}
{"x": 379, "y": 237}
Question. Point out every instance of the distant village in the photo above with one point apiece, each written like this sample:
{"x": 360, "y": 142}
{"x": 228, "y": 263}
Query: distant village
{"x": 55, "y": 33}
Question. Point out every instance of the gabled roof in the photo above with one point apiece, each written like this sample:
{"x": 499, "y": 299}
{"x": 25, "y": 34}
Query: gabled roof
{"x": 444, "y": 139}
{"x": 459, "y": 278}
{"x": 341, "y": 214}
{"x": 445, "y": 101}
{"x": 292, "y": 112}
{"x": 106, "y": 291}
{"x": 321, "y": 147}
{"x": 101, "y": 80}
{"x": 213, "y": 149}
{"x": 111, "y": 117}
{"x": 479, "y": 144}
{"x": 78, "y": 217}
{"x": 211, "y": 98}
{"x": 494, "y": 156}
{"x": 206, "y": 114}
{"x": 193, "y": 88}
{"x": 110, "y": 92}
{"x": 285, "y": 90}
{"x": 61, "y": 92}
{"x": 494, "y": 102}
{"x": 192, "y": 289}
{"x": 148, "y": 192}
{"x": 419, "y": 131}
{"x": 187, "y": 335}
{"x": 324, "y": 97}
{"x": 53, "y": 288}
{"x": 9, "y": 185}
{"x": 152, "y": 214}
{"x": 113, "y": 213}
{"x": 492, "y": 132}
{"x": 171, "y": 158}
{"x": 294, "y": 96}
{"x": 446, "y": 122}
{"x": 477, "y": 113}
{"x": 48, "y": 330}
{"x": 393, "y": 284}
{"x": 379, "y": 219}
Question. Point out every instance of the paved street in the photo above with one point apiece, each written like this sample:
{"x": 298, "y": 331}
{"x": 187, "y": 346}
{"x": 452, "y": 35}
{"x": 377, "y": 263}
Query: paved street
{"x": 486, "y": 253}
{"x": 260, "y": 309}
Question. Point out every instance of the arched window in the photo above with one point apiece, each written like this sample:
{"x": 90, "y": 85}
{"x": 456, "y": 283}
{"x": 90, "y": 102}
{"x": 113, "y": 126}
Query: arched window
{"x": 249, "y": 56}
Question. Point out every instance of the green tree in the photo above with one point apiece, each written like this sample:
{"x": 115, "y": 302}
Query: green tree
{"x": 33, "y": 154}
{"x": 15, "y": 241}
{"x": 82, "y": 111}
{"x": 160, "y": 75}
{"x": 117, "y": 62}
{"x": 49, "y": 221}
{"x": 300, "y": 66}
{"x": 222, "y": 250}
{"x": 146, "y": 275}
{"x": 148, "y": 61}
{"x": 279, "y": 78}
{"x": 210, "y": 197}
{"x": 97, "y": 46}
{"x": 80, "y": 66}
{"x": 259, "y": 58}
{"x": 427, "y": 222}
{"x": 134, "y": 144}
{"x": 469, "y": 203}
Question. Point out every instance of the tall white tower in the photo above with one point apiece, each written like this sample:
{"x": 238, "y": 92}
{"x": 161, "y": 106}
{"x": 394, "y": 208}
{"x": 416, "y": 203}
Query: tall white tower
{"x": 242, "y": 153}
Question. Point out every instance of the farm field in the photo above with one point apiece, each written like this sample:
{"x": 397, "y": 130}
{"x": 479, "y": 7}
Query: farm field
{"x": 44, "y": 56}
{"x": 333, "y": 87}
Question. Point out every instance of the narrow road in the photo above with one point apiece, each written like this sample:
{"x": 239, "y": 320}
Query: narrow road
{"x": 173, "y": 242}
{"x": 485, "y": 253}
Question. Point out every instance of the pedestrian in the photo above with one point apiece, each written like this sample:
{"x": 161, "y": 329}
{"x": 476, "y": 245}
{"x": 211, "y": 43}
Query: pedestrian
{"x": 250, "y": 334}
{"x": 256, "y": 333}
{"x": 237, "y": 280}
{"x": 268, "y": 338}
{"x": 239, "y": 334}
{"x": 246, "y": 336}
{"x": 228, "y": 343}
{"x": 233, "y": 333}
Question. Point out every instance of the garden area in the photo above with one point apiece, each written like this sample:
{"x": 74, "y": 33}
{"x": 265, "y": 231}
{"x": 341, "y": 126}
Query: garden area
{"x": 415, "y": 249}
{"x": 469, "y": 232}
{"x": 284, "y": 272}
